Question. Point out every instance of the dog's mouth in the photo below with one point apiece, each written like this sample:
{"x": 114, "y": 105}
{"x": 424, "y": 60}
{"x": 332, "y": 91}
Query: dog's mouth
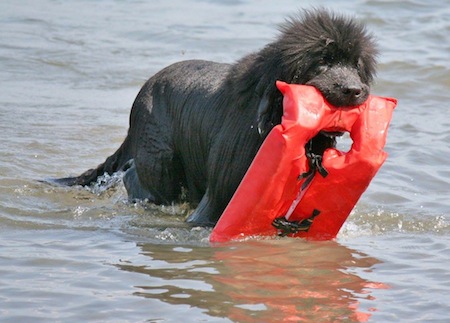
{"x": 323, "y": 140}
{"x": 332, "y": 134}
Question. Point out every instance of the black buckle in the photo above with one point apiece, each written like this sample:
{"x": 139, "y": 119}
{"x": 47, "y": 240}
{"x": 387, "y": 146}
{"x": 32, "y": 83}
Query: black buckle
{"x": 286, "y": 227}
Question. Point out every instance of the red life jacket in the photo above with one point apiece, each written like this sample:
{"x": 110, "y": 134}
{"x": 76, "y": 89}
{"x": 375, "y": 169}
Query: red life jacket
{"x": 285, "y": 192}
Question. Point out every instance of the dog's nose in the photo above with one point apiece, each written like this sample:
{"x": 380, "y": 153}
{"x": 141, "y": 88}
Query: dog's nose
{"x": 352, "y": 92}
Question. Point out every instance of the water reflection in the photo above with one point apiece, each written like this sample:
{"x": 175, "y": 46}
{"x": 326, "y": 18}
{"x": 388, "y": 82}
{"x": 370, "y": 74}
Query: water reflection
{"x": 262, "y": 280}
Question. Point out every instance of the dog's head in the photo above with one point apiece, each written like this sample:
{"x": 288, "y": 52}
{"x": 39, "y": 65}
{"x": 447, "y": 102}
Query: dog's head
{"x": 336, "y": 55}
{"x": 331, "y": 52}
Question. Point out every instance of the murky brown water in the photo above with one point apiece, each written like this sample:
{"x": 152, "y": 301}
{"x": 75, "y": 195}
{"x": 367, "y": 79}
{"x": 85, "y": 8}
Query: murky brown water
{"x": 69, "y": 72}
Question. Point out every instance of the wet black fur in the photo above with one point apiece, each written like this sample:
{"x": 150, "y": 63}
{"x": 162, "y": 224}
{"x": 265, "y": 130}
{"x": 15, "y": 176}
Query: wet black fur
{"x": 197, "y": 125}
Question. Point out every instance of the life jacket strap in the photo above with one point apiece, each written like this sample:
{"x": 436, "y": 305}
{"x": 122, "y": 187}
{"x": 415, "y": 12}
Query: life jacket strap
{"x": 315, "y": 165}
{"x": 286, "y": 227}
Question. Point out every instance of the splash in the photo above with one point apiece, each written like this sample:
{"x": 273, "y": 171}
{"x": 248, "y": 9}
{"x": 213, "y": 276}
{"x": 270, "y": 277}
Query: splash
{"x": 106, "y": 182}
{"x": 363, "y": 222}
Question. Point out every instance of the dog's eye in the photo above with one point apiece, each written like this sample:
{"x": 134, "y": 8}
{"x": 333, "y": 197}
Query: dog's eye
{"x": 322, "y": 68}
{"x": 359, "y": 64}
{"x": 324, "y": 62}
{"x": 327, "y": 60}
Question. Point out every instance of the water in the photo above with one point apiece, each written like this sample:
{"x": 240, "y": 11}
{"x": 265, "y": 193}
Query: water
{"x": 69, "y": 73}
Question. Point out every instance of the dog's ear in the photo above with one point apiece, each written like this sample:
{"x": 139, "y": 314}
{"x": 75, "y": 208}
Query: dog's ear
{"x": 264, "y": 119}
{"x": 270, "y": 110}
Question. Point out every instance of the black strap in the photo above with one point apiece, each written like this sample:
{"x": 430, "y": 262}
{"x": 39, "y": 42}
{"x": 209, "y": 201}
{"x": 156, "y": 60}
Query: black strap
{"x": 286, "y": 227}
{"x": 315, "y": 165}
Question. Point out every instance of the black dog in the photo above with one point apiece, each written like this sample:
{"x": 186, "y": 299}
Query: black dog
{"x": 196, "y": 125}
